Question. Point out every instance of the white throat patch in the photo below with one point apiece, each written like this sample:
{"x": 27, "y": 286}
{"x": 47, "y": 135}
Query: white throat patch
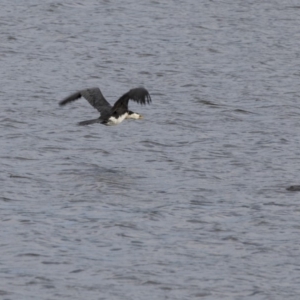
{"x": 133, "y": 116}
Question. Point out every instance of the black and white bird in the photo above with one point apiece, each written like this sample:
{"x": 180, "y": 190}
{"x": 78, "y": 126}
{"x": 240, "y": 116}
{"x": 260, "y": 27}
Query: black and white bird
{"x": 110, "y": 115}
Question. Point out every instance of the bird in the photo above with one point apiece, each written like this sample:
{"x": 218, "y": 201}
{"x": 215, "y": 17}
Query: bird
{"x": 110, "y": 115}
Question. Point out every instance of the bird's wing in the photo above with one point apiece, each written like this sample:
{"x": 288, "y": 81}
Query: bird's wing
{"x": 92, "y": 95}
{"x": 95, "y": 98}
{"x": 139, "y": 95}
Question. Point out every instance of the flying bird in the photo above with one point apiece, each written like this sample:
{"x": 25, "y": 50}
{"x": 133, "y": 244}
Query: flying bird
{"x": 110, "y": 115}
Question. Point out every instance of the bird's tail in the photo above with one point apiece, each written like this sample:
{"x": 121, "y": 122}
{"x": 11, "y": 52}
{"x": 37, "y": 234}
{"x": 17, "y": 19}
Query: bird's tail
{"x": 89, "y": 122}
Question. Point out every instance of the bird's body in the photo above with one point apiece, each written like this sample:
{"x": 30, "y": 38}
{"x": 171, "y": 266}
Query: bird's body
{"x": 110, "y": 115}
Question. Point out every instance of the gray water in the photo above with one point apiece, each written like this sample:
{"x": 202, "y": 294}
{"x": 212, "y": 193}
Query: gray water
{"x": 188, "y": 203}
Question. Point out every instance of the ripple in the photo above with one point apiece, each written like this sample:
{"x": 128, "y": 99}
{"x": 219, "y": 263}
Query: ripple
{"x": 201, "y": 183}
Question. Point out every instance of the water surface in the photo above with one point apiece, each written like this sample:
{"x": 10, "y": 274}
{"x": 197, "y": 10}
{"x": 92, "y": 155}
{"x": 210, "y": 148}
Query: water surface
{"x": 188, "y": 203}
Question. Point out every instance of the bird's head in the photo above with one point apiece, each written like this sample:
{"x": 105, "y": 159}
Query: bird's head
{"x": 133, "y": 115}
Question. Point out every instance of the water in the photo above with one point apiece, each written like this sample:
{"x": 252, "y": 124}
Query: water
{"x": 188, "y": 203}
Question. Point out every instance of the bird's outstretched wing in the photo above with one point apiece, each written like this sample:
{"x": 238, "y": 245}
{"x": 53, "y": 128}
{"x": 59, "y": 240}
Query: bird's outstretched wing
{"x": 92, "y": 95}
{"x": 139, "y": 95}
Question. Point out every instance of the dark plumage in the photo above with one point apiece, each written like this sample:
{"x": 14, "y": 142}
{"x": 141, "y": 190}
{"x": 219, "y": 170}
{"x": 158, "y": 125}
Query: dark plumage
{"x": 110, "y": 115}
{"x": 294, "y": 188}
